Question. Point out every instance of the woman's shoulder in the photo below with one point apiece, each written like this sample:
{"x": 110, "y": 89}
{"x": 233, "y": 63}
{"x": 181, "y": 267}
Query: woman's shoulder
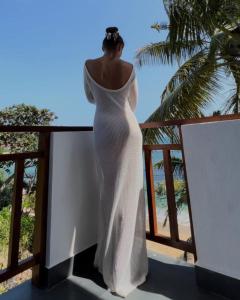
{"x": 127, "y": 64}
{"x": 128, "y": 69}
{"x": 93, "y": 64}
{"x": 89, "y": 62}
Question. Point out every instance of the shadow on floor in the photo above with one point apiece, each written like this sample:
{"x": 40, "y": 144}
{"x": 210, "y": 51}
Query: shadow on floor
{"x": 66, "y": 290}
{"x": 166, "y": 277}
{"x": 176, "y": 282}
{"x": 90, "y": 272}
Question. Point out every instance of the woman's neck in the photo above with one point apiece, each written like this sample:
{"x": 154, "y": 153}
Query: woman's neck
{"x": 111, "y": 56}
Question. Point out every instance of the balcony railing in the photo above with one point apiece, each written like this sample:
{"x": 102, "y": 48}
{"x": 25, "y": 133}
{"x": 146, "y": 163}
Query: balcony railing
{"x": 37, "y": 260}
{"x": 153, "y": 234}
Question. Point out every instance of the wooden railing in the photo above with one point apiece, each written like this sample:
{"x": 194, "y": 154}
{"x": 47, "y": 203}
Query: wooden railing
{"x": 153, "y": 233}
{"x": 37, "y": 260}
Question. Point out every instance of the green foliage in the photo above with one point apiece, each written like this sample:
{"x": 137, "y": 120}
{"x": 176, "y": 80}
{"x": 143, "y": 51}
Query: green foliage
{"x": 179, "y": 184}
{"x": 19, "y": 115}
{"x": 27, "y": 227}
{"x": 180, "y": 195}
{"x": 204, "y": 39}
{"x": 5, "y": 193}
{"x": 26, "y": 115}
{"x": 194, "y": 20}
{"x": 178, "y": 187}
{"x": 3, "y": 288}
{"x": 23, "y": 115}
{"x": 163, "y": 53}
{"x": 5, "y": 215}
{"x": 177, "y": 166}
{"x": 29, "y": 202}
{"x": 27, "y": 224}
{"x": 160, "y": 189}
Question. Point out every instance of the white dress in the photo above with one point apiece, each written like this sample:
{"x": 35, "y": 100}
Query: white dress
{"x": 121, "y": 254}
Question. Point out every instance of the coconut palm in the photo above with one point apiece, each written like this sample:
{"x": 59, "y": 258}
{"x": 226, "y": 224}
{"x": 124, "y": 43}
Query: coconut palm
{"x": 204, "y": 39}
{"x": 177, "y": 166}
{"x": 179, "y": 185}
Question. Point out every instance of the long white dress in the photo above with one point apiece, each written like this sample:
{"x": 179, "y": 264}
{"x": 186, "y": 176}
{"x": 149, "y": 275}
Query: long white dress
{"x": 121, "y": 254}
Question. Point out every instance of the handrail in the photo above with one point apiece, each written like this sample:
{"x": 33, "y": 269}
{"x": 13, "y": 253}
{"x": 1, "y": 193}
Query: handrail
{"x": 16, "y": 156}
{"x": 23, "y": 128}
{"x": 180, "y": 122}
{"x": 145, "y": 125}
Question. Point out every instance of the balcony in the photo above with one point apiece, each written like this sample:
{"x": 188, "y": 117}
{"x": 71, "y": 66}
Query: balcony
{"x": 168, "y": 280}
{"x": 64, "y": 237}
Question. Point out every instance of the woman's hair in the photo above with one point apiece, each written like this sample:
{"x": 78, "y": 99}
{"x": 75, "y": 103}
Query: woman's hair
{"x": 112, "y": 39}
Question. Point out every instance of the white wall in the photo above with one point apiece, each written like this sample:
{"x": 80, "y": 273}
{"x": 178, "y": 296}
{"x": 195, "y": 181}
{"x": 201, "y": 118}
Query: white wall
{"x": 212, "y": 152}
{"x": 73, "y": 195}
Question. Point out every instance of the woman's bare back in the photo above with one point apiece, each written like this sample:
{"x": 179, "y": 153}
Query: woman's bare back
{"x": 111, "y": 74}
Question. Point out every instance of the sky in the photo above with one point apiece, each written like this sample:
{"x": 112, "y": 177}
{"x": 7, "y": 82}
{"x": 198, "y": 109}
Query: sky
{"x": 44, "y": 45}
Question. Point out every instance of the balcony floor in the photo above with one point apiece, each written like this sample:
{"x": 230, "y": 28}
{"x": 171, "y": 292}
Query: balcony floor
{"x": 168, "y": 279}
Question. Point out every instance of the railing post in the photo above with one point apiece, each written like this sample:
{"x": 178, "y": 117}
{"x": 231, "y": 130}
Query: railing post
{"x": 150, "y": 193}
{"x": 15, "y": 228}
{"x": 172, "y": 210}
{"x": 40, "y": 229}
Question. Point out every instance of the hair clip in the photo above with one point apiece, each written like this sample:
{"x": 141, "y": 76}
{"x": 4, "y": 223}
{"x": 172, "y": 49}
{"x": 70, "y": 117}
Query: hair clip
{"x": 115, "y": 35}
{"x": 108, "y": 35}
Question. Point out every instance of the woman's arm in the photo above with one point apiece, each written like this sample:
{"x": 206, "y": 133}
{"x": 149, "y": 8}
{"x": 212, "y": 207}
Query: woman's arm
{"x": 87, "y": 88}
{"x": 133, "y": 94}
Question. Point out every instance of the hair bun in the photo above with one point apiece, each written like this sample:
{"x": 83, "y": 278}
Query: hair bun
{"x": 112, "y": 38}
{"x": 111, "y": 29}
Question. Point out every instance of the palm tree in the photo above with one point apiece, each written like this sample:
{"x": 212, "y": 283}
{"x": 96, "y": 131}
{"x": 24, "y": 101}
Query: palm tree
{"x": 180, "y": 191}
{"x": 204, "y": 39}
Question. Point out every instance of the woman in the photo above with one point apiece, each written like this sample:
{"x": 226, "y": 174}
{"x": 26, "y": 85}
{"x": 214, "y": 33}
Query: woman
{"x": 111, "y": 84}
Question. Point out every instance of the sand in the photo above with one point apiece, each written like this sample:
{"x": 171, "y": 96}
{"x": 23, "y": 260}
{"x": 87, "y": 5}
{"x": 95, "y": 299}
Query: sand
{"x": 184, "y": 234}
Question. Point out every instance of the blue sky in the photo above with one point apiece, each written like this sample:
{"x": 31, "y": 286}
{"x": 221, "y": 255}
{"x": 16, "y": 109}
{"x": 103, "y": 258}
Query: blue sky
{"x": 44, "y": 45}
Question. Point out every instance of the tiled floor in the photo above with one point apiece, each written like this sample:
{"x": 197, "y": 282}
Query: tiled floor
{"x": 168, "y": 279}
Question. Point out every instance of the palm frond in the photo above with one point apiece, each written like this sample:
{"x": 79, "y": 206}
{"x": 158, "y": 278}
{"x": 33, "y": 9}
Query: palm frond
{"x": 199, "y": 32}
{"x": 232, "y": 103}
{"x": 218, "y": 45}
{"x": 188, "y": 92}
{"x": 167, "y": 4}
{"x": 181, "y": 198}
{"x": 164, "y": 53}
{"x": 190, "y": 89}
{"x": 166, "y": 134}
{"x": 177, "y": 166}
{"x": 153, "y": 136}
{"x": 195, "y": 20}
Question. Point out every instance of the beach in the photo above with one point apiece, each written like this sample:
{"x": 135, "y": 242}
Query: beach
{"x": 184, "y": 234}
